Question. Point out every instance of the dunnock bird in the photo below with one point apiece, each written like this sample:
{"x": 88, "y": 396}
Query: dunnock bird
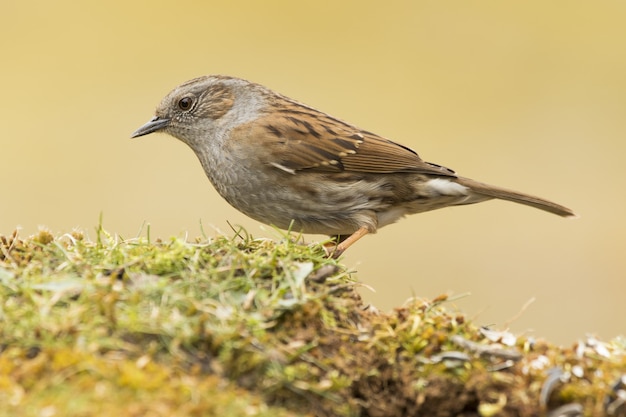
{"x": 284, "y": 163}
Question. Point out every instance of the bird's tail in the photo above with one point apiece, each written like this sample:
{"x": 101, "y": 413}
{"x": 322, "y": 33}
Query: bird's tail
{"x": 516, "y": 197}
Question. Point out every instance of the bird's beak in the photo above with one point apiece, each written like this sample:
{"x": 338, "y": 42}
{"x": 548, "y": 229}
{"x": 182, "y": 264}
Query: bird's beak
{"x": 156, "y": 123}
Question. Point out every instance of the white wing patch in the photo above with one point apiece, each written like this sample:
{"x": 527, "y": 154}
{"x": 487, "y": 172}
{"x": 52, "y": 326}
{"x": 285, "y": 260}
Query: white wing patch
{"x": 283, "y": 168}
{"x": 441, "y": 186}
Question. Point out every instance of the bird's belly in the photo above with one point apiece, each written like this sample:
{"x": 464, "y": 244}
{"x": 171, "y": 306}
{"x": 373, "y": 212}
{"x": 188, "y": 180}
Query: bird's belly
{"x": 336, "y": 203}
{"x": 307, "y": 203}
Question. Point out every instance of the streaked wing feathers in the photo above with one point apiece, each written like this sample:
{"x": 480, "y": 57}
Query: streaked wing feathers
{"x": 301, "y": 138}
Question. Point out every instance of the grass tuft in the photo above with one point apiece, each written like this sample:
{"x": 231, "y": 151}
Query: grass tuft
{"x": 245, "y": 326}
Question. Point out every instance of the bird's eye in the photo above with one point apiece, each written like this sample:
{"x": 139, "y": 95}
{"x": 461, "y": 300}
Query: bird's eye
{"x": 185, "y": 103}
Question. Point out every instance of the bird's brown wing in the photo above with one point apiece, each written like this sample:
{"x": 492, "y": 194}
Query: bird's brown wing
{"x": 296, "y": 137}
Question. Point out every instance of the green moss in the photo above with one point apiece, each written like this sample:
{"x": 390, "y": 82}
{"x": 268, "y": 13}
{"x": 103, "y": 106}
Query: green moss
{"x": 243, "y": 326}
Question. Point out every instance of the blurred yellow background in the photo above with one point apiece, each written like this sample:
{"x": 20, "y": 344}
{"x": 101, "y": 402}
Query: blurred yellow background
{"x": 528, "y": 95}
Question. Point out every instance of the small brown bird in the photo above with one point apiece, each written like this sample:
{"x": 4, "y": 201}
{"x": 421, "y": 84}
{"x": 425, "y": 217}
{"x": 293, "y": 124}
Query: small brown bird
{"x": 280, "y": 161}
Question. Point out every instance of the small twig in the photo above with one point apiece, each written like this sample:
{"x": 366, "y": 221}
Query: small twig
{"x": 519, "y": 313}
{"x": 487, "y": 350}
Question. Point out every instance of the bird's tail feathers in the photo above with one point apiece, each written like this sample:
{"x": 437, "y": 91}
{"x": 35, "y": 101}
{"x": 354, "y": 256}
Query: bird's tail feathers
{"x": 516, "y": 197}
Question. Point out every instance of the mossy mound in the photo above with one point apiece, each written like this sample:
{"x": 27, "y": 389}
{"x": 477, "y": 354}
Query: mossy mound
{"x": 253, "y": 327}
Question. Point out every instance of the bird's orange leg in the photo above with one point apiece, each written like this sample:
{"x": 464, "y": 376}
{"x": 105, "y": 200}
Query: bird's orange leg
{"x": 349, "y": 241}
